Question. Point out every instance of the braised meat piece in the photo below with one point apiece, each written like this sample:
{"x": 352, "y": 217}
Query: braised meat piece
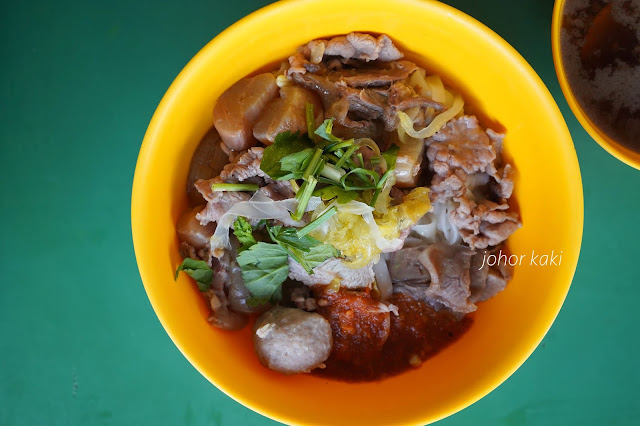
{"x": 287, "y": 113}
{"x": 487, "y": 281}
{"x": 359, "y": 79}
{"x": 238, "y": 108}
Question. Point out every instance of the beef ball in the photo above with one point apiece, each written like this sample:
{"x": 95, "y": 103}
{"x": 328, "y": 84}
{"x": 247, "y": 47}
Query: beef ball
{"x": 292, "y": 341}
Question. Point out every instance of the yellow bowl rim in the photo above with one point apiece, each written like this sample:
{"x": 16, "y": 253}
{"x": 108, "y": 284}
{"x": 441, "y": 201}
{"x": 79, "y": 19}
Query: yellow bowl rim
{"x": 164, "y": 108}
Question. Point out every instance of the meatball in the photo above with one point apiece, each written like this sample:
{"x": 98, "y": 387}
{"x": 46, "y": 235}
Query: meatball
{"x": 290, "y": 340}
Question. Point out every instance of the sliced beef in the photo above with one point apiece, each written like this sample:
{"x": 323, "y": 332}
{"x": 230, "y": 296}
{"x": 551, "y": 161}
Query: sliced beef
{"x": 398, "y": 194}
{"x": 460, "y": 144}
{"x": 221, "y": 315}
{"x": 330, "y": 270}
{"x": 238, "y": 108}
{"x": 244, "y": 167}
{"x": 449, "y": 269}
{"x": 484, "y": 223}
{"x": 374, "y": 77}
{"x": 403, "y": 96}
{"x": 467, "y": 165}
{"x": 503, "y": 185}
{"x": 363, "y": 47}
{"x": 478, "y": 273}
{"x": 358, "y": 88}
{"x": 218, "y": 203}
{"x": 353, "y": 107}
{"x": 278, "y": 190}
{"x": 370, "y": 129}
{"x": 487, "y": 281}
{"x": 291, "y": 341}
{"x": 360, "y": 326}
{"x": 358, "y": 46}
{"x": 447, "y": 187}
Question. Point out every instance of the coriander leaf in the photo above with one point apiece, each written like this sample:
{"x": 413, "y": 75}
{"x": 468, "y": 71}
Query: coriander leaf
{"x": 289, "y": 237}
{"x": 264, "y": 269}
{"x": 295, "y": 163}
{"x": 243, "y": 232}
{"x": 315, "y": 256}
{"x": 331, "y": 142}
{"x": 390, "y": 156}
{"x": 285, "y": 143}
{"x": 198, "y": 270}
{"x": 341, "y": 195}
{"x": 320, "y": 253}
{"x": 305, "y": 250}
{"x": 325, "y": 129}
{"x": 303, "y": 196}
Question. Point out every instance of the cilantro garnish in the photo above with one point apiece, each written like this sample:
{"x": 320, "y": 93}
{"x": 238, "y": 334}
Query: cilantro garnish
{"x": 198, "y": 270}
{"x": 328, "y": 165}
{"x": 265, "y": 266}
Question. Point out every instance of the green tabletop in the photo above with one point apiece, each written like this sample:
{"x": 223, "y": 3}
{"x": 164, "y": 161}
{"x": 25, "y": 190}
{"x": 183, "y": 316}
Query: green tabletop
{"x": 79, "y": 342}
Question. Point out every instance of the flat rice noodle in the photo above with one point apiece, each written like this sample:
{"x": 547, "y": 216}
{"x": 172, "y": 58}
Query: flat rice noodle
{"x": 257, "y": 208}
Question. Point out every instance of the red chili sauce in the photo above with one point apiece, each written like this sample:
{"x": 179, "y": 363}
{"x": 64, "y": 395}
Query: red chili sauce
{"x": 370, "y": 344}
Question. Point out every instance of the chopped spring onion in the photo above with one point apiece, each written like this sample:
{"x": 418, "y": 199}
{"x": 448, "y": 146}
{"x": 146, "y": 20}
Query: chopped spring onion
{"x": 379, "y": 187}
{"x": 326, "y": 215}
{"x": 346, "y": 156}
{"x": 217, "y": 187}
{"x": 314, "y": 164}
{"x": 311, "y": 125}
{"x": 294, "y": 185}
{"x": 340, "y": 145}
{"x": 331, "y": 172}
{"x": 303, "y": 196}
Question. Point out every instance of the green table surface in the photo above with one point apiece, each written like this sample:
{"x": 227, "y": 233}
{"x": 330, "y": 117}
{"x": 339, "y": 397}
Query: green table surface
{"x": 79, "y": 341}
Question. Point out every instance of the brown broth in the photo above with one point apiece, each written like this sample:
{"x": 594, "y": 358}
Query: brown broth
{"x": 600, "y": 48}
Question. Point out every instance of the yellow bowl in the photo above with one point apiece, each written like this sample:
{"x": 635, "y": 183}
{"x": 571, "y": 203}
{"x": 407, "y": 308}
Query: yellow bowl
{"x": 506, "y": 329}
{"x": 622, "y": 153}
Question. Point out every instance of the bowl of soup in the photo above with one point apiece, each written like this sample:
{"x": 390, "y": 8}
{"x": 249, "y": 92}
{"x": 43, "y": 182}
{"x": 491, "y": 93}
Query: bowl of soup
{"x": 505, "y": 95}
{"x": 597, "y": 59}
